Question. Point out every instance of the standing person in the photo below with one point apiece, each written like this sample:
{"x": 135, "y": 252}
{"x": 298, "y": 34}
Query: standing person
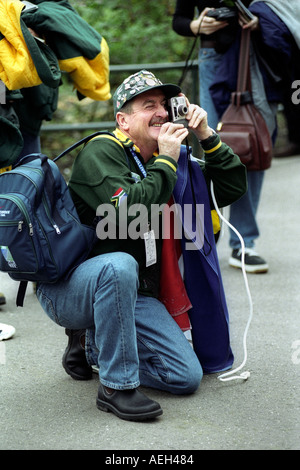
{"x": 217, "y": 58}
{"x": 133, "y": 338}
{"x": 274, "y": 64}
{"x": 190, "y": 19}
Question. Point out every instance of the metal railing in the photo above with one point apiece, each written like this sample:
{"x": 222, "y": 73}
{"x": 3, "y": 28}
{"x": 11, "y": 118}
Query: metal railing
{"x": 102, "y": 125}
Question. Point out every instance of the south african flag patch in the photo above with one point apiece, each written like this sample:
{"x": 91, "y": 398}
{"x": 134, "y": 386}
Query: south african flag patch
{"x": 118, "y": 197}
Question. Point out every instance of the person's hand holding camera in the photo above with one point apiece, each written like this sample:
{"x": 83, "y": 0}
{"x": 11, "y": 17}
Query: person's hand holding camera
{"x": 205, "y": 24}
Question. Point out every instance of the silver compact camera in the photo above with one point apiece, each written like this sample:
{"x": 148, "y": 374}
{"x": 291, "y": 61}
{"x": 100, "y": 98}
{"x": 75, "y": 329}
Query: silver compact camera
{"x": 178, "y": 109}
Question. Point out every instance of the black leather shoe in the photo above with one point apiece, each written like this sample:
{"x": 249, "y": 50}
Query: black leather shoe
{"x": 131, "y": 405}
{"x": 74, "y": 360}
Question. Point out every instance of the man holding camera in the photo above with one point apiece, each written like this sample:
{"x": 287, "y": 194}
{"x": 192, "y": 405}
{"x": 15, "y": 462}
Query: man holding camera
{"x": 120, "y": 293}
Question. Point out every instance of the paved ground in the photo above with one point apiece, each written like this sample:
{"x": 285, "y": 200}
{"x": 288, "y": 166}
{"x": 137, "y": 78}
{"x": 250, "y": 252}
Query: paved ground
{"x": 43, "y": 408}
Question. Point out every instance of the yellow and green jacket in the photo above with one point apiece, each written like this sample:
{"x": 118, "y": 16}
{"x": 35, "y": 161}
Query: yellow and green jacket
{"x": 70, "y": 45}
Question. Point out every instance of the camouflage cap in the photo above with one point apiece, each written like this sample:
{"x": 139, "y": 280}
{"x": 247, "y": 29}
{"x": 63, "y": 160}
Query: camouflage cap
{"x": 139, "y": 83}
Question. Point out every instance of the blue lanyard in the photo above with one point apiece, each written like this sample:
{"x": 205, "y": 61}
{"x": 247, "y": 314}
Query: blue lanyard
{"x": 138, "y": 162}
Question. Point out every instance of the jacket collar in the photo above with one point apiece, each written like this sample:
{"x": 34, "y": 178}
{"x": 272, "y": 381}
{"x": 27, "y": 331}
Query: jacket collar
{"x": 127, "y": 142}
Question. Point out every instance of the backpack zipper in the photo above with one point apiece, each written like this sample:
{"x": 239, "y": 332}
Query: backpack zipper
{"x": 12, "y": 223}
{"x": 40, "y": 172}
{"x": 18, "y": 202}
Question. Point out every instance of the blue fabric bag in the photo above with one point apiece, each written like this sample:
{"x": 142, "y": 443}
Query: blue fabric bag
{"x": 209, "y": 315}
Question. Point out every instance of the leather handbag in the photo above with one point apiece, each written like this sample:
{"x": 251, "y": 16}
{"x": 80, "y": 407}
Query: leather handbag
{"x": 242, "y": 127}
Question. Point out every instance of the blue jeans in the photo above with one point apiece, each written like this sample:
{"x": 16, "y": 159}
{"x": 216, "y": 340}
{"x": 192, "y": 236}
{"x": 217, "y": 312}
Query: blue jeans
{"x": 243, "y": 212}
{"x": 132, "y": 338}
{"x": 208, "y": 62}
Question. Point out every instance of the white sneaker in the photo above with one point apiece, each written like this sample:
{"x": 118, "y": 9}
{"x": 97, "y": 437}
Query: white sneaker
{"x": 6, "y": 331}
{"x": 253, "y": 262}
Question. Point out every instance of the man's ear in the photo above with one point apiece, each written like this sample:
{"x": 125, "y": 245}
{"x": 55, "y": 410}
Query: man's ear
{"x": 122, "y": 121}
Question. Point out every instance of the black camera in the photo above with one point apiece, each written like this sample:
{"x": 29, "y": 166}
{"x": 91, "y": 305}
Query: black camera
{"x": 222, "y": 14}
{"x": 178, "y": 109}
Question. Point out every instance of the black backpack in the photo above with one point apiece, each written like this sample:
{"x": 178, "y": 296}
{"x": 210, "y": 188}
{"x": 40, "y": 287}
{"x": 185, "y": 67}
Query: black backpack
{"x": 41, "y": 236}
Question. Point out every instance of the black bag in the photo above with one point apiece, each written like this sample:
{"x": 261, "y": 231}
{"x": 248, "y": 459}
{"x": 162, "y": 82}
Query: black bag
{"x": 41, "y": 236}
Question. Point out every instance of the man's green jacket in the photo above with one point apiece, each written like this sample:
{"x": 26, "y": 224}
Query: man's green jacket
{"x": 106, "y": 172}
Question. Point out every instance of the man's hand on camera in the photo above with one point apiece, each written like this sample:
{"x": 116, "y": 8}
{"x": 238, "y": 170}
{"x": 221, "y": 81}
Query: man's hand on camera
{"x": 197, "y": 118}
{"x": 170, "y": 139}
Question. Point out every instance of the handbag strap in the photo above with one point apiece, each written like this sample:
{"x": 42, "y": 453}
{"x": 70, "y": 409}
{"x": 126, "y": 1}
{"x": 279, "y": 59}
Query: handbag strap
{"x": 243, "y": 80}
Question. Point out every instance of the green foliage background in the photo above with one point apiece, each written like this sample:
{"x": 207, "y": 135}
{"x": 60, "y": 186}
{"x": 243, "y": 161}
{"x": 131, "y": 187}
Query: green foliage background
{"x": 137, "y": 32}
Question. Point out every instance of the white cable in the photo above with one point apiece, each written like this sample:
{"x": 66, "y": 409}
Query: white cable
{"x": 244, "y": 375}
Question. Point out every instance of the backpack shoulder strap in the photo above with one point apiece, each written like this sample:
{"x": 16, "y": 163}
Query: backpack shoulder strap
{"x": 84, "y": 141}
{"x": 95, "y": 135}
{"x": 21, "y": 293}
{"x": 111, "y": 136}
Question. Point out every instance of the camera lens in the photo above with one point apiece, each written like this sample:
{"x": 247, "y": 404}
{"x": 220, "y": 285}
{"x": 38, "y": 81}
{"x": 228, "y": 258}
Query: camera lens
{"x": 182, "y": 110}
